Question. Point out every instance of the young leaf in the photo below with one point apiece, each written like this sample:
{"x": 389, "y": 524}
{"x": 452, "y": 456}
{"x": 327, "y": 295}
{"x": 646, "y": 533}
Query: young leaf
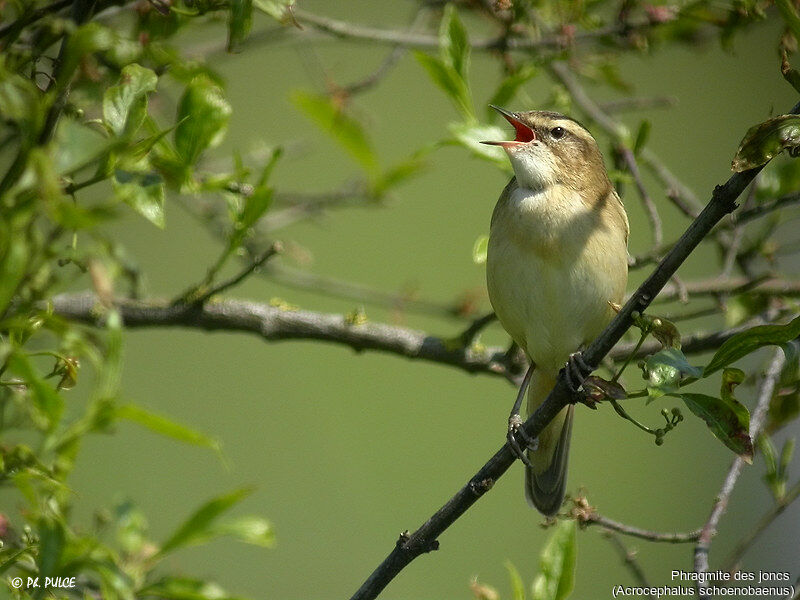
{"x": 199, "y": 527}
{"x": 240, "y": 20}
{"x": 642, "y": 136}
{"x": 449, "y": 81}
{"x": 470, "y": 137}
{"x": 397, "y": 174}
{"x": 12, "y": 263}
{"x": 250, "y": 530}
{"x": 790, "y": 17}
{"x": 89, "y": 38}
{"x": 517, "y": 586}
{"x": 51, "y": 546}
{"x": 125, "y": 104}
{"x": 726, "y": 417}
{"x": 453, "y": 42}
{"x": 556, "y": 576}
{"x": 45, "y": 398}
{"x": 766, "y": 140}
{"x": 748, "y": 341}
{"x": 340, "y": 126}
{"x": 479, "y": 249}
{"x": 203, "y": 114}
{"x": 166, "y": 427}
{"x": 277, "y": 9}
{"x": 143, "y": 192}
{"x": 665, "y": 370}
{"x": 509, "y": 86}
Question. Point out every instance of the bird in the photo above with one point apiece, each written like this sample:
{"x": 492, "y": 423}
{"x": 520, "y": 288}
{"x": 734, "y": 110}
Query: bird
{"x": 556, "y": 265}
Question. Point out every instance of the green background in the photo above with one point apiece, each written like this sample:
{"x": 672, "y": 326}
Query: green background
{"x": 347, "y": 450}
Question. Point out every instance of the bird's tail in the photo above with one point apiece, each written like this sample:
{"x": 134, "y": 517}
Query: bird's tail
{"x": 546, "y": 482}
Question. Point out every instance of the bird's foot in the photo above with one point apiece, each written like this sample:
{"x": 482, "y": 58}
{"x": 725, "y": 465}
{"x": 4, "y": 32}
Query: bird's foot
{"x": 575, "y": 373}
{"x": 514, "y": 429}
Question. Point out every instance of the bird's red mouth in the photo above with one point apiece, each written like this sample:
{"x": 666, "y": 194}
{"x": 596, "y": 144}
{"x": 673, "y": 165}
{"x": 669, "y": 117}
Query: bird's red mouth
{"x": 524, "y": 134}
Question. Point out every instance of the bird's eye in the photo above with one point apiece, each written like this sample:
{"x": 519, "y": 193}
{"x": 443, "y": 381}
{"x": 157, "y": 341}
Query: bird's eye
{"x": 557, "y": 132}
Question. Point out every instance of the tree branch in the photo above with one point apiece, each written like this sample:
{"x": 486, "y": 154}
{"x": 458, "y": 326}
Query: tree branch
{"x": 593, "y": 518}
{"x": 629, "y": 560}
{"x": 554, "y": 41}
{"x": 721, "y": 502}
{"x": 274, "y": 323}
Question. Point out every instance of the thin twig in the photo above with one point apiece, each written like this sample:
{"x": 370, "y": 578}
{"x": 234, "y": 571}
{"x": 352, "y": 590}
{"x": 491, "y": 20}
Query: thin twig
{"x": 593, "y": 518}
{"x": 471, "y": 332}
{"x": 721, "y": 502}
{"x": 678, "y": 193}
{"x": 252, "y": 267}
{"x": 629, "y": 560}
{"x": 647, "y": 202}
{"x": 643, "y": 103}
{"x": 553, "y": 41}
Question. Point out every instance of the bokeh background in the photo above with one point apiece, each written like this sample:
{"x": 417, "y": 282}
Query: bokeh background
{"x": 347, "y": 450}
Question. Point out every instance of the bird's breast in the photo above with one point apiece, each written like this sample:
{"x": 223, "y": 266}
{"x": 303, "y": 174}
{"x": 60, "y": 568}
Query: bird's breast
{"x": 553, "y": 265}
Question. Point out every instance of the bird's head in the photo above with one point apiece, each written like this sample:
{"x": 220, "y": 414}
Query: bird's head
{"x": 551, "y": 148}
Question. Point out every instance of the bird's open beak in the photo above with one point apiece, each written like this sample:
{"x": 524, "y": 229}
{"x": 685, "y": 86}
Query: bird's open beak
{"x": 524, "y": 133}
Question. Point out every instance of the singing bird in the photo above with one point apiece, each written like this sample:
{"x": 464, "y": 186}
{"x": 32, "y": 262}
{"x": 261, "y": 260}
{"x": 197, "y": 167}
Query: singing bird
{"x": 557, "y": 258}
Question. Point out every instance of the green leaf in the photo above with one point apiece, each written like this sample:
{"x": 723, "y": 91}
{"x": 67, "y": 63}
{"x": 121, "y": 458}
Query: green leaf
{"x": 250, "y": 530}
{"x": 766, "y": 140}
{"x": 665, "y": 369}
{"x": 51, "y": 546}
{"x": 767, "y": 449}
{"x": 397, "y": 174}
{"x": 517, "y": 586}
{"x": 556, "y": 576}
{"x": 203, "y": 114}
{"x": 748, "y": 341}
{"x": 184, "y": 588}
{"x": 790, "y": 17}
{"x": 343, "y": 128}
{"x": 642, "y": 136}
{"x": 240, "y": 21}
{"x": 12, "y": 263}
{"x": 166, "y": 427}
{"x": 449, "y": 81}
{"x": 125, "y": 104}
{"x": 87, "y": 39}
{"x": 508, "y": 88}
{"x": 277, "y": 9}
{"x": 470, "y": 137}
{"x": 199, "y": 527}
{"x": 453, "y": 42}
{"x": 726, "y": 417}
{"x": 45, "y": 398}
{"x": 144, "y": 192}
{"x": 479, "y": 249}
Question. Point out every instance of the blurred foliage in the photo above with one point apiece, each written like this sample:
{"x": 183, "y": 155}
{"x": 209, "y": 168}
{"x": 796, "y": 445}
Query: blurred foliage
{"x": 76, "y": 97}
{"x": 556, "y": 576}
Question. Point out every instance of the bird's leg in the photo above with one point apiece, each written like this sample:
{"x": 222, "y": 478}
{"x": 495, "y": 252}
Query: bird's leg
{"x": 576, "y": 371}
{"x": 515, "y": 422}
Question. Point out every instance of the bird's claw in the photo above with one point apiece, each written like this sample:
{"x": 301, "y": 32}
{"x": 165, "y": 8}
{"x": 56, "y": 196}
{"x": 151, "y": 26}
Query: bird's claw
{"x": 575, "y": 373}
{"x": 514, "y": 429}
